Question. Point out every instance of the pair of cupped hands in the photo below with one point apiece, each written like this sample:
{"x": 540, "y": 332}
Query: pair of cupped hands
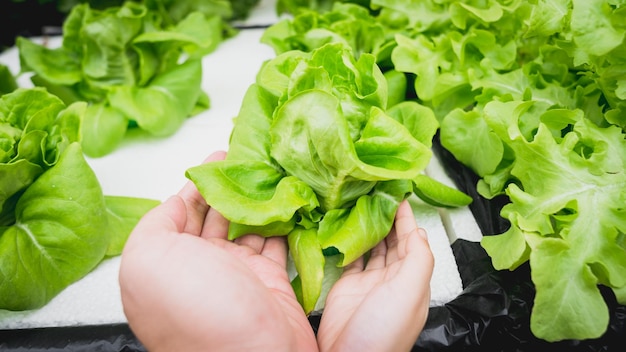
{"x": 186, "y": 287}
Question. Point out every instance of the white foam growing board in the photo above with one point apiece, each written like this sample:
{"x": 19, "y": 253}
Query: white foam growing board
{"x": 459, "y": 222}
{"x": 154, "y": 168}
{"x": 445, "y": 283}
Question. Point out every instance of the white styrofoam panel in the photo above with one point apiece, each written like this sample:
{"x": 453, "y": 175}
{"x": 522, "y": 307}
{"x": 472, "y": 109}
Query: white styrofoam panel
{"x": 459, "y": 222}
{"x": 93, "y": 300}
{"x": 445, "y": 284}
{"x": 154, "y": 168}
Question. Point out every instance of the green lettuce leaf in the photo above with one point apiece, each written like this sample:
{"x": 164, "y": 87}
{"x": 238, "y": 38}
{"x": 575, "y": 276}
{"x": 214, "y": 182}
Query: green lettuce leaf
{"x": 594, "y": 24}
{"x": 469, "y": 138}
{"x": 55, "y": 224}
{"x": 56, "y": 238}
{"x": 420, "y": 16}
{"x": 35, "y": 128}
{"x": 371, "y": 218}
{"x": 103, "y": 129}
{"x": 161, "y": 107}
{"x": 309, "y": 261}
{"x": 123, "y": 213}
{"x": 245, "y": 186}
{"x": 567, "y": 221}
{"x": 438, "y": 194}
{"x": 7, "y": 80}
{"x": 344, "y": 23}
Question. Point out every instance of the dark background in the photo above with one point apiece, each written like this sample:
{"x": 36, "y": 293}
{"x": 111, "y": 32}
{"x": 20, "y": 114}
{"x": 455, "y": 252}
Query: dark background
{"x": 28, "y": 18}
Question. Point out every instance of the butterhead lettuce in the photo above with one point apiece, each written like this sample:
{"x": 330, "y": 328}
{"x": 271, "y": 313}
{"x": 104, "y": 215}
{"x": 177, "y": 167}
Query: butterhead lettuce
{"x": 55, "y": 224}
{"x": 135, "y": 66}
{"x": 316, "y": 155}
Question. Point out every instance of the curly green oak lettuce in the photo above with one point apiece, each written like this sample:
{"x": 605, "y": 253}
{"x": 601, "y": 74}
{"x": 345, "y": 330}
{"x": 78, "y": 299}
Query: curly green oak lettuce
{"x": 530, "y": 96}
{"x": 347, "y": 23}
{"x": 316, "y": 155}
{"x": 295, "y": 7}
{"x": 55, "y": 224}
{"x": 568, "y": 219}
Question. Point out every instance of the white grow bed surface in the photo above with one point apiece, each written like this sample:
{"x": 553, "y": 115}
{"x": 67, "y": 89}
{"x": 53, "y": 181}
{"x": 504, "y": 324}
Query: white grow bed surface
{"x": 155, "y": 168}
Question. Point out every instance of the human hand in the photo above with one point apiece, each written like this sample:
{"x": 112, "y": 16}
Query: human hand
{"x": 381, "y": 305}
{"x": 185, "y": 287}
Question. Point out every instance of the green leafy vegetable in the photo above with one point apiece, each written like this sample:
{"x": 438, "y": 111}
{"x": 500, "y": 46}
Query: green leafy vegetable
{"x": 314, "y": 156}
{"x": 52, "y": 244}
{"x": 55, "y": 224}
{"x": 309, "y": 261}
{"x": 36, "y": 128}
{"x": 297, "y": 6}
{"x": 7, "y": 80}
{"x": 568, "y": 220}
{"x": 123, "y": 60}
{"x": 531, "y": 96}
{"x": 346, "y": 23}
{"x": 242, "y": 8}
{"x": 122, "y": 216}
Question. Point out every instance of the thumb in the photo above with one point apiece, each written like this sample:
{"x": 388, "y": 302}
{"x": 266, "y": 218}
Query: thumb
{"x": 166, "y": 218}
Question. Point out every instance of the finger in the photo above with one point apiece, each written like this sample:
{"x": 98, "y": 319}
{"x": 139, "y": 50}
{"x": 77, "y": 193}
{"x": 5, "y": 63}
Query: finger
{"x": 417, "y": 245}
{"x": 253, "y": 241}
{"x": 419, "y": 261}
{"x": 275, "y": 248}
{"x": 167, "y": 217}
{"x": 392, "y": 246}
{"x": 354, "y": 267}
{"x": 197, "y": 207}
{"x": 215, "y": 156}
{"x": 414, "y": 275}
{"x": 404, "y": 226}
{"x": 215, "y": 225}
{"x": 377, "y": 256}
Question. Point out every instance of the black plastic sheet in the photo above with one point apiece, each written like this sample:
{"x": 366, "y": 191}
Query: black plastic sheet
{"x": 96, "y": 338}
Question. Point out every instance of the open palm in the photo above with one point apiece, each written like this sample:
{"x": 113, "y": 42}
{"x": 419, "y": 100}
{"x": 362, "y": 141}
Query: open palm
{"x": 185, "y": 287}
{"x": 381, "y": 305}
